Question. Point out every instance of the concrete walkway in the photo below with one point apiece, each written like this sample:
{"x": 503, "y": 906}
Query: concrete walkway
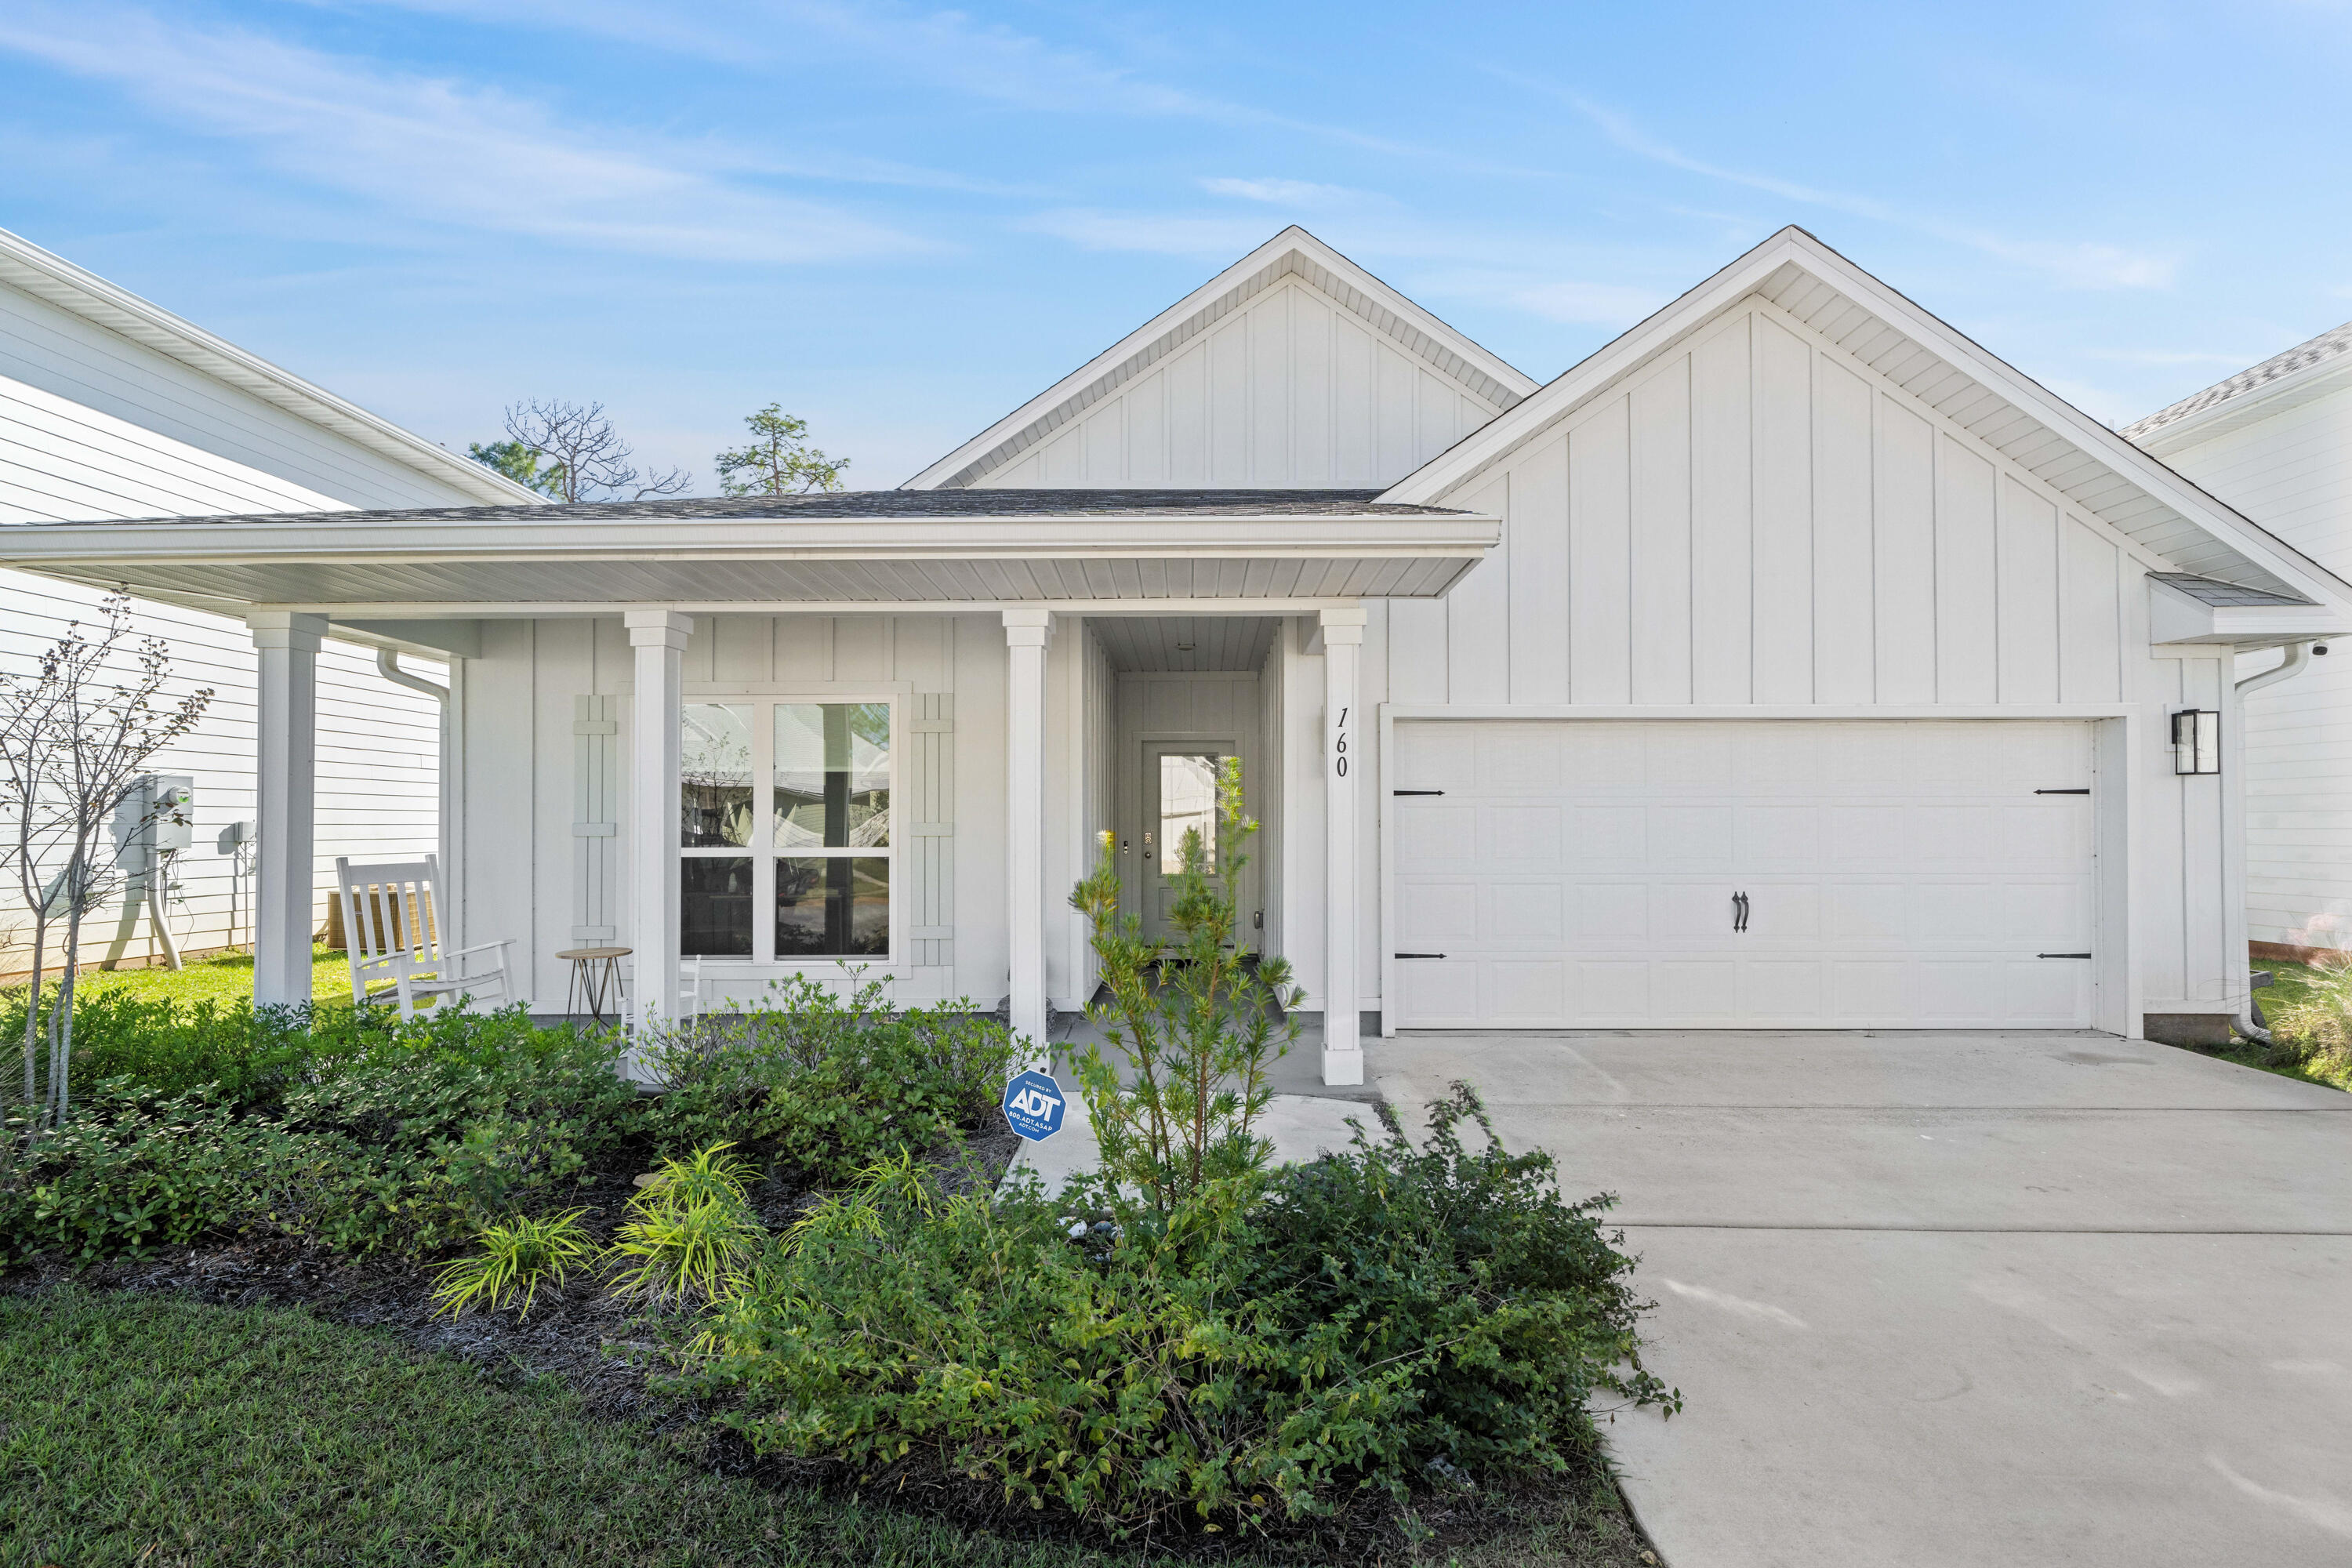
{"x": 2016, "y": 1299}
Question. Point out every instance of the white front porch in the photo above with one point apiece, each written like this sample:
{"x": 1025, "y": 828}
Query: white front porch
{"x": 1013, "y": 738}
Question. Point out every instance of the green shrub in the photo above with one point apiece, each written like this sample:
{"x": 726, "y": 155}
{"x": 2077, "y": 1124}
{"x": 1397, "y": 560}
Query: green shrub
{"x": 828, "y": 1083}
{"x": 515, "y": 1257}
{"x": 360, "y": 1133}
{"x": 1255, "y": 1354}
{"x": 239, "y": 1055}
{"x": 2313, "y": 1036}
{"x": 689, "y": 1230}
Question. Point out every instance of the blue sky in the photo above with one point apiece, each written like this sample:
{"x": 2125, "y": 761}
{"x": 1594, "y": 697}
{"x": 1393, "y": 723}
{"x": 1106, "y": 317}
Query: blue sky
{"x": 900, "y": 221}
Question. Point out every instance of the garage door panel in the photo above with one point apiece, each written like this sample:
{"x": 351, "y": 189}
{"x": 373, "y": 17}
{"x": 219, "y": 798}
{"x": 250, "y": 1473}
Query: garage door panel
{"x": 1599, "y": 834}
{"x": 1433, "y": 914}
{"x": 1775, "y": 837}
{"x": 1431, "y": 837}
{"x": 1517, "y": 914}
{"x": 1521, "y": 835}
{"x": 1580, "y": 873}
{"x": 1773, "y": 991}
{"x": 1692, "y": 835}
{"x": 2044, "y": 993}
{"x": 1697, "y": 990}
{"x": 1863, "y": 991}
{"x": 1868, "y": 914}
{"x": 1959, "y": 993}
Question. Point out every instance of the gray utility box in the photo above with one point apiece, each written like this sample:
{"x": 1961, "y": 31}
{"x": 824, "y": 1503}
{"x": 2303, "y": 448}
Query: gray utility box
{"x": 159, "y": 815}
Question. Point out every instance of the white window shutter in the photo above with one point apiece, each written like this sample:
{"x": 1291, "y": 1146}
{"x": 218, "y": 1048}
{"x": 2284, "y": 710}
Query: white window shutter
{"x": 929, "y": 815}
{"x": 596, "y": 820}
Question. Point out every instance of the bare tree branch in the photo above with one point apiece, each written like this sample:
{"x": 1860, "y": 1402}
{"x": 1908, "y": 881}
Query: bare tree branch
{"x": 585, "y": 457}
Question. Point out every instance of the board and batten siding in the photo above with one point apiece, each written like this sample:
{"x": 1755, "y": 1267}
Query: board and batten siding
{"x": 1754, "y": 518}
{"x": 523, "y": 855}
{"x": 1293, "y": 390}
{"x": 2292, "y": 472}
{"x": 95, "y": 425}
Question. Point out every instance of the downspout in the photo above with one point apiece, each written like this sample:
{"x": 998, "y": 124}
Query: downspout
{"x": 387, "y": 664}
{"x": 2297, "y": 659}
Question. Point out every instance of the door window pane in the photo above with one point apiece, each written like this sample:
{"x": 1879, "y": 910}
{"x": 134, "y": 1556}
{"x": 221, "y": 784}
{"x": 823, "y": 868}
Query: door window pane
{"x": 714, "y": 775}
{"x": 832, "y": 905}
{"x": 1188, "y": 803}
{"x": 832, "y": 775}
{"x": 715, "y": 906}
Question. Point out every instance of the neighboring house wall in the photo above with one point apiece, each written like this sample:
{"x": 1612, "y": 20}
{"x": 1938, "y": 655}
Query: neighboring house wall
{"x": 2290, "y": 469}
{"x": 1292, "y": 391}
{"x": 95, "y": 425}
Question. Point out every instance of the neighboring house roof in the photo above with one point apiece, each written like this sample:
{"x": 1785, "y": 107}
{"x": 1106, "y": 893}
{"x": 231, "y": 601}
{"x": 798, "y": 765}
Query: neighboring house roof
{"x": 1293, "y": 251}
{"x": 2226, "y": 402}
{"x": 866, "y": 504}
{"x": 2092, "y": 466}
{"x": 53, "y": 279}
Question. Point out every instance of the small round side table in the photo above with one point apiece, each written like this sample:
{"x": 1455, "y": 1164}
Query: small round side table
{"x": 595, "y": 978}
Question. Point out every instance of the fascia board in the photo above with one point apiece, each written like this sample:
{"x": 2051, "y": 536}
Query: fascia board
{"x": 34, "y": 545}
{"x": 1794, "y": 244}
{"x": 53, "y": 280}
{"x": 1293, "y": 239}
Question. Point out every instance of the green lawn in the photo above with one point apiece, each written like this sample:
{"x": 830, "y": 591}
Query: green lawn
{"x": 228, "y": 978}
{"x": 2290, "y": 984}
{"x": 148, "y": 1430}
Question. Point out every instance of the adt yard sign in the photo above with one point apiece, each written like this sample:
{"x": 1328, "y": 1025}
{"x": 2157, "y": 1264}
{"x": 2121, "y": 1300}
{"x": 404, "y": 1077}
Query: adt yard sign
{"x": 1034, "y": 1105}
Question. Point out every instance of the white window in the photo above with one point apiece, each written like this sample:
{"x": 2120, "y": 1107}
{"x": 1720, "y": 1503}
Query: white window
{"x": 798, "y": 869}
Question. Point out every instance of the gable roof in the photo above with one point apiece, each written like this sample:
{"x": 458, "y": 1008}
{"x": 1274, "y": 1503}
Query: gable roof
{"x": 1292, "y": 252}
{"x": 57, "y": 281}
{"x": 2249, "y": 394}
{"x": 2095, "y": 468}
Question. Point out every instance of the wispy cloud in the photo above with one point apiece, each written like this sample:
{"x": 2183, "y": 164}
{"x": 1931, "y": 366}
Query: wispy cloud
{"x": 1223, "y": 239}
{"x": 1587, "y": 304}
{"x": 1283, "y": 193}
{"x": 2077, "y": 264}
{"x": 441, "y": 150}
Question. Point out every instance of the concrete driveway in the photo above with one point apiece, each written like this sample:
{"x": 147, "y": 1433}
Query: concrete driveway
{"x": 1959, "y": 1299}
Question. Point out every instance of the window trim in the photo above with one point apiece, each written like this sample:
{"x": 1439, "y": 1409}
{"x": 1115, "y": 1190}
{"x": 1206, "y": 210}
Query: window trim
{"x": 763, "y": 850}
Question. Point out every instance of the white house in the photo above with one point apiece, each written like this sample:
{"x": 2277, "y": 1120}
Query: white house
{"x": 1792, "y": 662}
{"x": 2275, "y": 442}
{"x": 110, "y": 407}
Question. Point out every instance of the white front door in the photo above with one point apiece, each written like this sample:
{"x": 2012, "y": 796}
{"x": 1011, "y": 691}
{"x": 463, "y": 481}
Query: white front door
{"x": 1796, "y": 874}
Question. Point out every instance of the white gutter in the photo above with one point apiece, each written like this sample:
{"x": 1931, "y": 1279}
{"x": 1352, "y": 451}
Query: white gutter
{"x": 387, "y": 664}
{"x": 2297, "y": 661}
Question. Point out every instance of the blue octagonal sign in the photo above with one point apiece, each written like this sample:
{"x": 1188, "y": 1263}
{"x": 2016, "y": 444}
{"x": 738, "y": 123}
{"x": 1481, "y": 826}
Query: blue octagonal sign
{"x": 1034, "y": 1105}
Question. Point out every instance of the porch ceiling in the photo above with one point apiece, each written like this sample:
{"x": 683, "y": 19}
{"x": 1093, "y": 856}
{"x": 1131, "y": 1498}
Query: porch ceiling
{"x": 473, "y": 560}
{"x": 1185, "y": 644}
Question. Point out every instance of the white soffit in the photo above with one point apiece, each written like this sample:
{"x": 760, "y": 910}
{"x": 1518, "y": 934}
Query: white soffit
{"x": 2095, "y": 468}
{"x": 53, "y": 280}
{"x": 1292, "y": 252}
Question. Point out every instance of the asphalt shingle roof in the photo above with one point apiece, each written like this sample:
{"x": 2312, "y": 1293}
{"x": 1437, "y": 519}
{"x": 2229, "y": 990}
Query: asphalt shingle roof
{"x": 2303, "y": 356}
{"x": 2213, "y": 591}
{"x": 890, "y": 503}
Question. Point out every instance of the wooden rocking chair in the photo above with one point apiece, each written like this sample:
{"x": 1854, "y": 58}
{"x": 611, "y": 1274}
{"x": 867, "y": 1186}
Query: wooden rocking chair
{"x": 392, "y": 937}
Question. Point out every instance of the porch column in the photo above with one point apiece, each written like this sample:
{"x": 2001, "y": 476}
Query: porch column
{"x": 1343, "y": 645}
{"x": 286, "y": 775}
{"x": 658, "y": 639}
{"x": 1027, "y": 629}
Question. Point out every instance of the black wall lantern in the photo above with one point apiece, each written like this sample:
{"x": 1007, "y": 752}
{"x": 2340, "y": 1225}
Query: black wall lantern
{"x": 2197, "y": 740}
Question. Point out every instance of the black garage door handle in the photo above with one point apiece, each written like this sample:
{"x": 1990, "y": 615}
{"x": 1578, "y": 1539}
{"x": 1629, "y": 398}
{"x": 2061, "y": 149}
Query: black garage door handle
{"x": 2062, "y": 955}
{"x": 1416, "y": 955}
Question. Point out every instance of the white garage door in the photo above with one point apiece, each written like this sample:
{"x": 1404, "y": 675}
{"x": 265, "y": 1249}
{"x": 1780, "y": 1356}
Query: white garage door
{"x": 1799, "y": 874}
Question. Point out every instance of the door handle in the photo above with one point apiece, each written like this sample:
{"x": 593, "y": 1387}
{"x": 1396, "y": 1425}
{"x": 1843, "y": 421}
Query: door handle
{"x": 1739, "y": 911}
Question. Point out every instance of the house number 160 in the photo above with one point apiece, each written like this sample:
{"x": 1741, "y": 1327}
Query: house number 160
{"x": 1339, "y": 743}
